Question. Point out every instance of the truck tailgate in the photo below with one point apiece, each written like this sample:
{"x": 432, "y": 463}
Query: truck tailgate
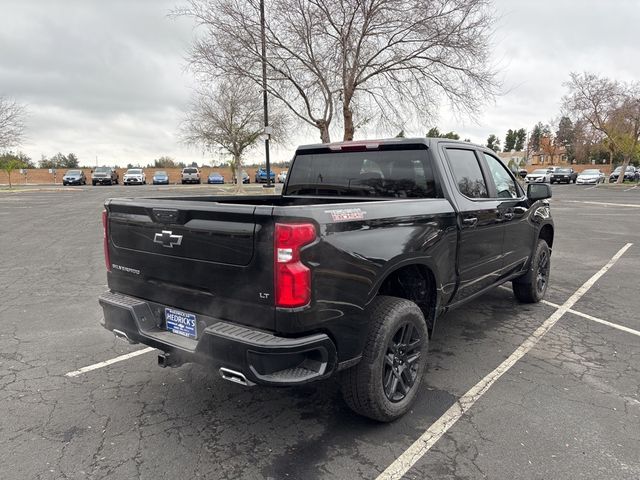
{"x": 201, "y": 257}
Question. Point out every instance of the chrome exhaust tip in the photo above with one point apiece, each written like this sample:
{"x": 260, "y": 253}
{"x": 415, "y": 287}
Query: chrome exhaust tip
{"x": 235, "y": 377}
{"x": 123, "y": 336}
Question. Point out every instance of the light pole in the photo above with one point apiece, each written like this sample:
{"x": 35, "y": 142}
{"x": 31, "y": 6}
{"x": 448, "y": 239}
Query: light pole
{"x": 267, "y": 129}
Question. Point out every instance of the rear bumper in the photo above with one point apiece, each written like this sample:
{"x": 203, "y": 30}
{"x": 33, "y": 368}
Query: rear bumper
{"x": 260, "y": 356}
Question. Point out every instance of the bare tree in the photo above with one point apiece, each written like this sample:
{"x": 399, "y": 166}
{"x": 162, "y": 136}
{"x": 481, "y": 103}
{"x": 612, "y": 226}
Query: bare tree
{"x": 11, "y": 123}
{"x": 369, "y": 59}
{"x": 610, "y": 108}
{"x": 229, "y": 117}
{"x": 299, "y": 71}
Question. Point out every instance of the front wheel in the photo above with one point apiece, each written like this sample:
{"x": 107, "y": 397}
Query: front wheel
{"x": 531, "y": 287}
{"x": 384, "y": 384}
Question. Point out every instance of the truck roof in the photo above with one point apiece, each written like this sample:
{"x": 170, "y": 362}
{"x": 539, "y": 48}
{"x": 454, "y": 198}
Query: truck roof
{"x": 373, "y": 144}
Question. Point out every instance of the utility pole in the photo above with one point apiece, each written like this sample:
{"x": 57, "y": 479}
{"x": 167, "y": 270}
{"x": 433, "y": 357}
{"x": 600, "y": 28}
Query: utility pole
{"x": 267, "y": 129}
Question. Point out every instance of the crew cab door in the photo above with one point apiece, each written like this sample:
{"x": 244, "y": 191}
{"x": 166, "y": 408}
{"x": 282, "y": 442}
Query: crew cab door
{"x": 480, "y": 247}
{"x": 513, "y": 208}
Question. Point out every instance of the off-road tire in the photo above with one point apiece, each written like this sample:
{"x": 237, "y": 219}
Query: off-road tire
{"x": 531, "y": 287}
{"x": 363, "y": 385}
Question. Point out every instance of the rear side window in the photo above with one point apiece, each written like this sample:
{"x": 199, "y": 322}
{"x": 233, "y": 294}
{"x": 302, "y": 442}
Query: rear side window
{"x": 379, "y": 173}
{"x": 467, "y": 173}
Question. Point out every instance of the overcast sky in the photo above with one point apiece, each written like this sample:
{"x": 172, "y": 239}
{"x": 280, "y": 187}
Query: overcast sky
{"x": 107, "y": 80}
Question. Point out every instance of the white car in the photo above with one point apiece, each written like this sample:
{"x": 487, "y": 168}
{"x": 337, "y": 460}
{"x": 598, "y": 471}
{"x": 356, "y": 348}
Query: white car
{"x": 541, "y": 175}
{"x": 134, "y": 176}
{"x": 591, "y": 176}
{"x": 282, "y": 176}
{"x": 190, "y": 175}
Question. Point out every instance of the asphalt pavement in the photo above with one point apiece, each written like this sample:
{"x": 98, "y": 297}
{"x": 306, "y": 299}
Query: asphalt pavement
{"x": 567, "y": 406}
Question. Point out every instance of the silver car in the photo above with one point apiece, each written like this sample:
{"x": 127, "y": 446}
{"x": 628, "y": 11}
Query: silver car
{"x": 591, "y": 176}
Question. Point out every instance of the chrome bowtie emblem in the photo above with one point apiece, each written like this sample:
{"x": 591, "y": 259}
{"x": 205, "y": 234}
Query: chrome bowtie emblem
{"x": 167, "y": 239}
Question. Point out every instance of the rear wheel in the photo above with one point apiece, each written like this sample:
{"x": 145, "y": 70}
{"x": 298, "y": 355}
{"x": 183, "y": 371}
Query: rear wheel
{"x": 384, "y": 384}
{"x": 531, "y": 287}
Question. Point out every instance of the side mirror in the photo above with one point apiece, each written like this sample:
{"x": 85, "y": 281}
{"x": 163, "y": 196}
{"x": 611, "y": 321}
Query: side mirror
{"x": 538, "y": 191}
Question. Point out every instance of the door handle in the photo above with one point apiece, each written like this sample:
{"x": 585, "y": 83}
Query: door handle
{"x": 470, "y": 221}
{"x": 507, "y": 215}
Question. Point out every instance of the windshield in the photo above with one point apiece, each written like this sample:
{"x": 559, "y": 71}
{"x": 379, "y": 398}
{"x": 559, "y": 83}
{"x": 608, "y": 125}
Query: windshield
{"x": 190, "y": 170}
{"x": 102, "y": 170}
{"x": 563, "y": 170}
{"x": 540, "y": 171}
{"x": 391, "y": 173}
{"x": 161, "y": 174}
{"x": 590, "y": 172}
{"x": 74, "y": 172}
{"x": 135, "y": 171}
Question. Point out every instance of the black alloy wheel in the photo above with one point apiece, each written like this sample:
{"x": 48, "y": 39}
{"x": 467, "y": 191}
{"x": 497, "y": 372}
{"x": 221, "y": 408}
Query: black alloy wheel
{"x": 386, "y": 381}
{"x": 532, "y": 286}
{"x": 400, "y": 362}
{"x": 542, "y": 274}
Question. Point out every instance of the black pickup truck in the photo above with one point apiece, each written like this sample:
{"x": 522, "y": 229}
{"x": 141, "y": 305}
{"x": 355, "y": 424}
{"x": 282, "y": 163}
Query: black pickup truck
{"x": 343, "y": 274}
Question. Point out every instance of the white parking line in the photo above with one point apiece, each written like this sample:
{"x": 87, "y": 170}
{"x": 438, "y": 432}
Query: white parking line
{"x": 634, "y": 205}
{"x": 423, "y": 444}
{"x": 106, "y": 363}
{"x": 632, "y": 188}
{"x": 596, "y": 319}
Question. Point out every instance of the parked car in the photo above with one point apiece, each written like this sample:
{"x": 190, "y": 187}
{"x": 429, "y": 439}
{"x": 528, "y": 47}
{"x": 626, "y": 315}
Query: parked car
{"x": 564, "y": 175}
{"x": 190, "y": 175}
{"x": 540, "y": 175}
{"x": 104, "y": 176}
{"x": 74, "y": 177}
{"x": 134, "y": 176}
{"x": 262, "y": 291}
{"x": 282, "y": 176}
{"x": 629, "y": 174}
{"x": 261, "y": 175}
{"x": 522, "y": 173}
{"x": 591, "y": 176}
{"x": 160, "y": 178}
{"x": 245, "y": 177}
{"x": 215, "y": 177}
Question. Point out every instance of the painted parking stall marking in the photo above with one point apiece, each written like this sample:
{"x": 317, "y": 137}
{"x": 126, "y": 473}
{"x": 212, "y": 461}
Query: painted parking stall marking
{"x": 429, "y": 438}
{"x": 597, "y": 320}
{"x": 607, "y": 204}
{"x": 106, "y": 363}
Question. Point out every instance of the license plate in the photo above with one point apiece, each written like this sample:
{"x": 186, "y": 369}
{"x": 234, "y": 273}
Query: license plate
{"x": 181, "y": 323}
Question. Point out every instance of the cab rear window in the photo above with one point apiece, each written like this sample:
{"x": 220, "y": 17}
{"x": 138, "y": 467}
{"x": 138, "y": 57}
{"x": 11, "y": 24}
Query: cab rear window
{"x": 381, "y": 173}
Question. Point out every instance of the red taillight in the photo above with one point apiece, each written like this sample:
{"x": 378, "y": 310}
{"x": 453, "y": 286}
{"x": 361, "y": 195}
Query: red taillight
{"x": 292, "y": 277}
{"x": 105, "y": 242}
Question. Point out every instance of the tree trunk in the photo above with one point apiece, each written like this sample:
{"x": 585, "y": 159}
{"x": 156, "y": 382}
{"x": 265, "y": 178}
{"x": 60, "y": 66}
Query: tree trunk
{"x": 9, "y": 175}
{"x": 349, "y": 129}
{"x": 323, "y": 126}
{"x": 237, "y": 167}
{"x": 625, "y": 163}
